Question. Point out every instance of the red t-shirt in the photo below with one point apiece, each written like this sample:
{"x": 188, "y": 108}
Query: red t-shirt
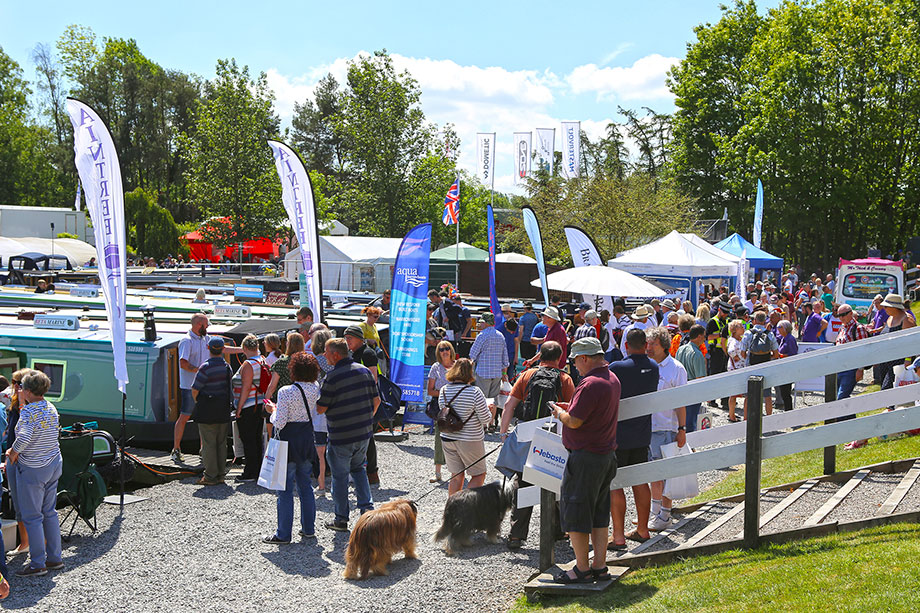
{"x": 597, "y": 404}
{"x": 556, "y": 333}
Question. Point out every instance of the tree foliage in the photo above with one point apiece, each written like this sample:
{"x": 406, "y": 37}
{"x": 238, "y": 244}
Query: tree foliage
{"x": 820, "y": 100}
{"x": 151, "y": 228}
{"x": 231, "y": 173}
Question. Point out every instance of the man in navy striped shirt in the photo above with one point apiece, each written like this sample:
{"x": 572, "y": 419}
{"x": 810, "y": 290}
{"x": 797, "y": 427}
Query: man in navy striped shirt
{"x": 349, "y": 400}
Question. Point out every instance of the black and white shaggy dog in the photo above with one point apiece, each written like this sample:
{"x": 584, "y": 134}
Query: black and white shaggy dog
{"x": 469, "y": 510}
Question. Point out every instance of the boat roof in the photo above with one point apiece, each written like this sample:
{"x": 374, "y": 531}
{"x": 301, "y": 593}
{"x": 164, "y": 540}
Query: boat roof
{"x": 102, "y": 335}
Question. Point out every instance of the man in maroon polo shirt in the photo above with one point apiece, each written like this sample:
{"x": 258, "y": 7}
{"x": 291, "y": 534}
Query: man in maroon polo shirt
{"x": 555, "y": 332}
{"x": 589, "y": 427}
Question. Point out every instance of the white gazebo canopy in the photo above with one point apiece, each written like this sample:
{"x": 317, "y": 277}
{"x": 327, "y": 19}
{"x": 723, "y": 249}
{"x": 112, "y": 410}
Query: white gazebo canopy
{"x": 513, "y": 258}
{"x": 600, "y": 281}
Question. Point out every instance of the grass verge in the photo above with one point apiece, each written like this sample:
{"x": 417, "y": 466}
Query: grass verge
{"x": 869, "y": 570}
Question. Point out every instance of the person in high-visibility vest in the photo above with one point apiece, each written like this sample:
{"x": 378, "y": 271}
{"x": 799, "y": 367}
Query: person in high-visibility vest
{"x": 717, "y": 339}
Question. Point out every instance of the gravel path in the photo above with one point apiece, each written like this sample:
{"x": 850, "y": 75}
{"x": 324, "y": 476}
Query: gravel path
{"x": 803, "y": 508}
{"x": 911, "y": 500}
{"x": 197, "y": 549}
{"x": 736, "y": 524}
{"x": 865, "y": 500}
{"x": 681, "y": 536}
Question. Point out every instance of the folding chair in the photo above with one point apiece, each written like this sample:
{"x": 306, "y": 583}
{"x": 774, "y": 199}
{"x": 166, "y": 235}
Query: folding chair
{"x": 80, "y": 487}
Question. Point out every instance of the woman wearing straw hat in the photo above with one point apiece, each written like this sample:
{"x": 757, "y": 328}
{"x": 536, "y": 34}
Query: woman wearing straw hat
{"x": 899, "y": 318}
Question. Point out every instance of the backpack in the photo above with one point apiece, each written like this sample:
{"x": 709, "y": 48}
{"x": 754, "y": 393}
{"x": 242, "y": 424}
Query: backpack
{"x": 265, "y": 376}
{"x": 545, "y": 386}
{"x": 760, "y": 342}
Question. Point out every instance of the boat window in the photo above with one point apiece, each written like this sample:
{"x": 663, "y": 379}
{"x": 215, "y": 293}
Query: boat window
{"x": 8, "y": 366}
{"x": 56, "y": 371}
{"x": 867, "y": 285}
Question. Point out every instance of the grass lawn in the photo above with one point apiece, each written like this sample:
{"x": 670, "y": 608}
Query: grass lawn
{"x": 870, "y": 570}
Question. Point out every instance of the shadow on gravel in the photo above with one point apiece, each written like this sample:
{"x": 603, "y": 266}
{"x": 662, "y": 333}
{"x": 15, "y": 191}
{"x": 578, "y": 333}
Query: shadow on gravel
{"x": 399, "y": 569}
{"x": 250, "y": 488}
{"x": 418, "y": 450}
{"x": 213, "y": 492}
{"x": 339, "y": 545}
{"x": 82, "y": 548}
{"x": 304, "y": 559}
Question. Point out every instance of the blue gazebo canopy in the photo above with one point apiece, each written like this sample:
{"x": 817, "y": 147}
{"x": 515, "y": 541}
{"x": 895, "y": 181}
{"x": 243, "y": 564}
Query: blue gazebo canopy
{"x": 756, "y": 257}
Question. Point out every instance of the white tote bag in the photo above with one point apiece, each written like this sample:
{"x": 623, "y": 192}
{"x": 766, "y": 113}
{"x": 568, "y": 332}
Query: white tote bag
{"x": 680, "y": 488}
{"x": 547, "y": 454}
{"x": 273, "y": 475}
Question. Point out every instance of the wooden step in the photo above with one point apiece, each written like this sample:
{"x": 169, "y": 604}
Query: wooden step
{"x": 900, "y": 491}
{"x": 543, "y": 584}
{"x": 836, "y": 499}
{"x": 672, "y": 529}
{"x": 784, "y": 504}
{"x": 727, "y": 517}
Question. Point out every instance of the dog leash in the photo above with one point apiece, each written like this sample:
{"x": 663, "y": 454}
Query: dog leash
{"x": 488, "y": 453}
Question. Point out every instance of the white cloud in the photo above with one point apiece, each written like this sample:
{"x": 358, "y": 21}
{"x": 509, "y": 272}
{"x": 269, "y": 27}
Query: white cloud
{"x": 645, "y": 79}
{"x": 494, "y": 99}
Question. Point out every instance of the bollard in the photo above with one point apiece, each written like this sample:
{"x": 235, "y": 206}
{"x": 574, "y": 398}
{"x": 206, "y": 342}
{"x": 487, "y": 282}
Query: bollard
{"x": 754, "y": 444}
{"x": 547, "y": 529}
{"x": 830, "y": 395}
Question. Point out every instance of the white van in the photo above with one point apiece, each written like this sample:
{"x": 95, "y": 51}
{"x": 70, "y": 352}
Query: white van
{"x": 858, "y": 281}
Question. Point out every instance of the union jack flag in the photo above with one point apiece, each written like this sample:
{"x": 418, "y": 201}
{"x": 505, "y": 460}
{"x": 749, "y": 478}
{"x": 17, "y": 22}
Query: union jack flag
{"x": 452, "y": 204}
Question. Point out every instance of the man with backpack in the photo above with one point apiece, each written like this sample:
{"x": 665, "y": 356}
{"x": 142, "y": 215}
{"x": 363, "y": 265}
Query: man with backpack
{"x": 532, "y": 392}
{"x": 759, "y": 346}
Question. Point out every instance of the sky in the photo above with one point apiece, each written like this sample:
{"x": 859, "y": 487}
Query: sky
{"x": 500, "y": 67}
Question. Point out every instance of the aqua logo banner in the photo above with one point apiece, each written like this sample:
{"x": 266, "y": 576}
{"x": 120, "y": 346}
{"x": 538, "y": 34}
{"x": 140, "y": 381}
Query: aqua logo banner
{"x": 409, "y": 313}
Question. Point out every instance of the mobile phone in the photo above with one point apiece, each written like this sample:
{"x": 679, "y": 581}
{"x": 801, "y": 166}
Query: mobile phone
{"x": 553, "y": 406}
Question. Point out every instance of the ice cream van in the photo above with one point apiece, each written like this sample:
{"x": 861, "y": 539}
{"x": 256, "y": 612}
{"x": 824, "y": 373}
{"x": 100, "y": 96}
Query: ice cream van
{"x": 859, "y": 281}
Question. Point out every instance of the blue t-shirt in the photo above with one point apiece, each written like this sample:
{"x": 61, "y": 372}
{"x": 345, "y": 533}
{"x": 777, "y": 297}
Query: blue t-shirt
{"x": 509, "y": 342}
{"x": 638, "y": 375}
{"x": 527, "y": 322}
{"x": 539, "y": 331}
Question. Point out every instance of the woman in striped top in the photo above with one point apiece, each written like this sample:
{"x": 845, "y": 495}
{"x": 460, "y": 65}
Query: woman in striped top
{"x": 36, "y": 458}
{"x": 464, "y": 449}
{"x": 249, "y": 419}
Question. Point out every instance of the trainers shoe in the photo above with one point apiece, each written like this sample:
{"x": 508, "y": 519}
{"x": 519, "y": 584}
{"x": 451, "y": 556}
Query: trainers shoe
{"x": 176, "y": 456}
{"x": 307, "y": 535}
{"x": 659, "y": 523}
{"x": 242, "y": 479}
{"x": 54, "y": 565}
{"x": 273, "y": 539}
{"x": 338, "y": 526}
{"x": 28, "y": 571}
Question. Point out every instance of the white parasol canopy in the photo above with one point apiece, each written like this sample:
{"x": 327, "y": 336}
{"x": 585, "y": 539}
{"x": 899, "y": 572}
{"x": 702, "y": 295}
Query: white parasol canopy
{"x": 601, "y": 281}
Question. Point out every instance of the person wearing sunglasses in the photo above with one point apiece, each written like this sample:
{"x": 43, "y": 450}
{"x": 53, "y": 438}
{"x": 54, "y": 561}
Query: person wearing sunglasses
{"x": 437, "y": 379}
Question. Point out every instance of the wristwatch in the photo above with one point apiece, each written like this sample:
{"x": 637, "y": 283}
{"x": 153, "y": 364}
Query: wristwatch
{"x": 679, "y": 428}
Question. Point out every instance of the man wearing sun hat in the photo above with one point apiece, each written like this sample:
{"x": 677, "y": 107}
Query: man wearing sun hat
{"x": 555, "y": 332}
{"x": 643, "y": 317}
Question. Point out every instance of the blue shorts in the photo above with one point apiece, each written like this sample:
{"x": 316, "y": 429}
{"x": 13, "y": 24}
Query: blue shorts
{"x": 188, "y": 403}
{"x": 659, "y": 438}
{"x": 320, "y": 438}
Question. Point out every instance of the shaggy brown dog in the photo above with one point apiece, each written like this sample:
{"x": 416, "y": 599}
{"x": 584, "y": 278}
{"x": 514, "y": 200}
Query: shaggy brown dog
{"x": 379, "y": 534}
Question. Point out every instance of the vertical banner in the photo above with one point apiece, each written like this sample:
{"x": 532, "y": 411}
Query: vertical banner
{"x": 76, "y": 202}
{"x": 741, "y": 276}
{"x": 493, "y": 296}
{"x": 571, "y": 148}
{"x": 586, "y": 253}
{"x": 758, "y": 214}
{"x": 409, "y": 314}
{"x": 485, "y": 158}
{"x": 532, "y": 227}
{"x": 297, "y": 195}
{"x": 522, "y": 147}
{"x": 100, "y": 174}
{"x": 546, "y": 144}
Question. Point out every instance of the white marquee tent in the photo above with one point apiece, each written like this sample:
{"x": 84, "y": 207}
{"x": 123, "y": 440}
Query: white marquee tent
{"x": 76, "y": 250}
{"x": 350, "y": 263}
{"x": 679, "y": 261}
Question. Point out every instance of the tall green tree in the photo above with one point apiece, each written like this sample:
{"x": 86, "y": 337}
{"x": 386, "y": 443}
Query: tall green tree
{"x": 151, "y": 228}
{"x": 313, "y": 130}
{"x": 231, "y": 171}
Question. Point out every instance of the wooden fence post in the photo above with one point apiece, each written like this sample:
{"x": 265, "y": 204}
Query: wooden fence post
{"x": 547, "y": 529}
{"x": 754, "y": 407}
{"x": 830, "y": 395}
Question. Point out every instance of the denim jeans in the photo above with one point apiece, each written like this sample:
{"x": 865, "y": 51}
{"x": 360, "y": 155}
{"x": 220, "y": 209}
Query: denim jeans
{"x": 846, "y": 381}
{"x": 300, "y": 475}
{"x": 348, "y": 459}
{"x": 693, "y": 411}
{"x": 37, "y": 490}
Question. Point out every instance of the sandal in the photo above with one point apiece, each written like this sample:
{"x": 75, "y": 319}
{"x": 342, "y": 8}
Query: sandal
{"x": 734, "y": 420}
{"x": 563, "y": 578}
{"x": 514, "y": 542}
{"x": 436, "y": 479}
{"x": 611, "y": 546}
{"x": 601, "y": 574}
{"x": 855, "y": 445}
{"x": 635, "y": 536}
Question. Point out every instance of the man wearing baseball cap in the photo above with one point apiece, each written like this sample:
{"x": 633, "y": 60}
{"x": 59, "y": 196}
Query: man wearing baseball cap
{"x": 555, "y": 332}
{"x": 589, "y": 425}
{"x": 364, "y": 355}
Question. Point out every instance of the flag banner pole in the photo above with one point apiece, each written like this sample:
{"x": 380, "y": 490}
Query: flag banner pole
{"x": 493, "y": 296}
{"x": 585, "y": 253}
{"x": 297, "y": 196}
{"x": 546, "y": 144}
{"x": 758, "y": 215}
{"x": 408, "y": 313}
{"x": 532, "y": 227}
{"x": 571, "y": 148}
{"x": 522, "y": 149}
